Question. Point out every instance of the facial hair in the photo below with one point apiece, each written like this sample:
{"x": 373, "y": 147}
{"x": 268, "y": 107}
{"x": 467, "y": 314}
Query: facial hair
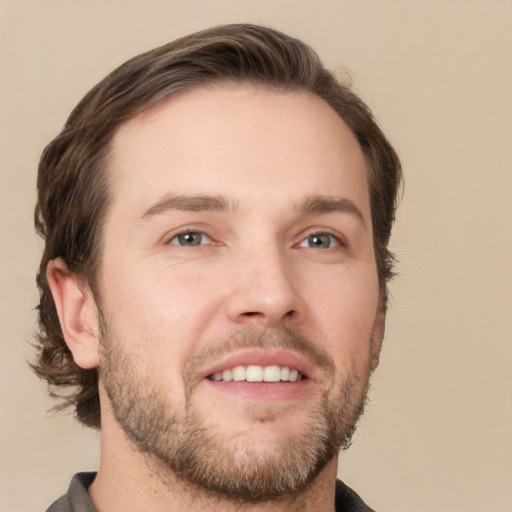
{"x": 232, "y": 468}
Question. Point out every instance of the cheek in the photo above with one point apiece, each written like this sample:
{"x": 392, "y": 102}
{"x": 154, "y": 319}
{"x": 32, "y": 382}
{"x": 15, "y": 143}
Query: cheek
{"x": 344, "y": 314}
{"x": 159, "y": 311}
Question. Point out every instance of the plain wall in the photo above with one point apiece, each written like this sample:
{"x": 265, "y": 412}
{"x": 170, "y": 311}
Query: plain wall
{"x": 438, "y": 75}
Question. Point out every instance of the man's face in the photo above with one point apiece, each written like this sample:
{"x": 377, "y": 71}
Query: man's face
{"x": 239, "y": 287}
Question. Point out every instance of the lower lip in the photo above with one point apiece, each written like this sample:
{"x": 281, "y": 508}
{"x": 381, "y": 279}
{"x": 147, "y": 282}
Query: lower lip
{"x": 262, "y": 391}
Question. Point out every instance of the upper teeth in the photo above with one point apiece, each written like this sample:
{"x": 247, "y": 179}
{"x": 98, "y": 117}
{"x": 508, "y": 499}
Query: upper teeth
{"x": 254, "y": 373}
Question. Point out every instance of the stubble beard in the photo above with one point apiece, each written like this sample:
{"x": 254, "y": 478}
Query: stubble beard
{"x": 182, "y": 443}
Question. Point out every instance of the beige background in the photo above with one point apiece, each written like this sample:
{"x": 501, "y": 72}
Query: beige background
{"x": 438, "y": 74}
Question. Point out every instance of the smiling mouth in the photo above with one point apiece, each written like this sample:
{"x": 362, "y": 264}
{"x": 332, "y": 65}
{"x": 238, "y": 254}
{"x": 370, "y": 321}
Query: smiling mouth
{"x": 255, "y": 373}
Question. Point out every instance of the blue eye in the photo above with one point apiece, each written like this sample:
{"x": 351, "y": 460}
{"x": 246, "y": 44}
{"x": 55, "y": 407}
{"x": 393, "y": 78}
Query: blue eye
{"x": 190, "y": 239}
{"x": 320, "y": 241}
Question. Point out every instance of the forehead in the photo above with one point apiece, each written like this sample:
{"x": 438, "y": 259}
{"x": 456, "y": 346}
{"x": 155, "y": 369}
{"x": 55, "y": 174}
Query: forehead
{"x": 235, "y": 140}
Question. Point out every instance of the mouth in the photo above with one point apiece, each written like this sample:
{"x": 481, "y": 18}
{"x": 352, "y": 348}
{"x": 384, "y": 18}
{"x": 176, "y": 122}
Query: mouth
{"x": 257, "y": 373}
{"x": 274, "y": 375}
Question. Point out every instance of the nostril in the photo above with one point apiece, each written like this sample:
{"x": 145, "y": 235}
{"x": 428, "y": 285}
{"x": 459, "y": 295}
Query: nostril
{"x": 259, "y": 313}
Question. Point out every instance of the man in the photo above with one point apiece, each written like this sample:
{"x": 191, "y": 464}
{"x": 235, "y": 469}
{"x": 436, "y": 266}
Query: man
{"x": 216, "y": 215}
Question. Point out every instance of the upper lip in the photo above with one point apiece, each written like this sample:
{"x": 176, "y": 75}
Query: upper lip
{"x": 260, "y": 357}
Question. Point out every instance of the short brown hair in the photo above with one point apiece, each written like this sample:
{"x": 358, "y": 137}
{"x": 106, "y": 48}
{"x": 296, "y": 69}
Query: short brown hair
{"x": 73, "y": 186}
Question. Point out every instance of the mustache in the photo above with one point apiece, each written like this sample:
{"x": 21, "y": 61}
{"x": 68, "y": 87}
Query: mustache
{"x": 283, "y": 338}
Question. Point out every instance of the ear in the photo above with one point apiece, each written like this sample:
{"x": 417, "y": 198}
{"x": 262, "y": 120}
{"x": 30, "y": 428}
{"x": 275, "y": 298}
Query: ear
{"x": 77, "y": 312}
{"x": 378, "y": 332}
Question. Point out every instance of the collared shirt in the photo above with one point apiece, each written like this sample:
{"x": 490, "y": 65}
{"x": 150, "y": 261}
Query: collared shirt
{"x": 77, "y": 498}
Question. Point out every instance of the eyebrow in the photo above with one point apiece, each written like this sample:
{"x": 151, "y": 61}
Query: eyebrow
{"x": 328, "y": 204}
{"x": 313, "y": 205}
{"x": 200, "y": 203}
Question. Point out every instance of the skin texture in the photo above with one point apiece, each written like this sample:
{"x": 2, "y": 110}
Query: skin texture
{"x": 281, "y": 270}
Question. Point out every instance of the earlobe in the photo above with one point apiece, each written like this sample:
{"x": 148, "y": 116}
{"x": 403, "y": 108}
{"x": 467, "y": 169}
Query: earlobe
{"x": 77, "y": 313}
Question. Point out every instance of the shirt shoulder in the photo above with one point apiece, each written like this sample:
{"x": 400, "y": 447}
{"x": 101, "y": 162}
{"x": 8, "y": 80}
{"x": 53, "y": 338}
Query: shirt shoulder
{"x": 348, "y": 500}
{"x": 76, "y": 498}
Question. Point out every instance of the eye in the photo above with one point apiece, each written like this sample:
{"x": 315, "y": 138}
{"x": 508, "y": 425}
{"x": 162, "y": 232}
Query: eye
{"x": 190, "y": 239}
{"x": 320, "y": 241}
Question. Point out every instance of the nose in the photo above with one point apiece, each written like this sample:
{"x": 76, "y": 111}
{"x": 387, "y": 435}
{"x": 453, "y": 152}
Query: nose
{"x": 266, "y": 290}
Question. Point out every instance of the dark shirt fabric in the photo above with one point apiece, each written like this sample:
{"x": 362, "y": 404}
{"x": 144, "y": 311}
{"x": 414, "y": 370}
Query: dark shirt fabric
{"x": 77, "y": 498}
{"x": 349, "y": 501}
